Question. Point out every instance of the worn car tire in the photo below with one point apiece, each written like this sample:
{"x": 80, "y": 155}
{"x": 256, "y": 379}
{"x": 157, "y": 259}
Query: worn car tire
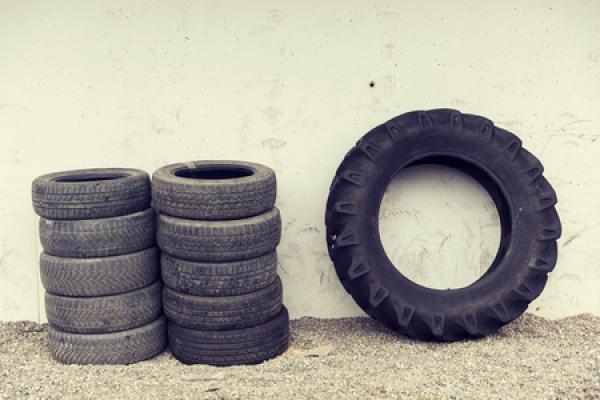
{"x": 228, "y": 278}
{"x": 124, "y": 347}
{"x": 244, "y": 346}
{"x": 104, "y": 313}
{"x": 219, "y": 240}
{"x": 213, "y": 190}
{"x": 99, "y": 276}
{"x": 493, "y": 157}
{"x": 102, "y": 237}
{"x": 91, "y": 193}
{"x": 223, "y": 313}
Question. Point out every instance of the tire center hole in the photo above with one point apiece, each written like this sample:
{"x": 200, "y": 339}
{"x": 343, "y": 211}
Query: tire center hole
{"x": 438, "y": 226}
{"x": 88, "y": 178}
{"x": 214, "y": 172}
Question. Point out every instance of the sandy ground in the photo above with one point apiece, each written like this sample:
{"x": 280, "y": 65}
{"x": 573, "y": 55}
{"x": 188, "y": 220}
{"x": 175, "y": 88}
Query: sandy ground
{"x": 352, "y": 358}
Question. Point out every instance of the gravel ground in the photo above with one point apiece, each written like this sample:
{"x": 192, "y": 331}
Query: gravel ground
{"x": 353, "y": 358}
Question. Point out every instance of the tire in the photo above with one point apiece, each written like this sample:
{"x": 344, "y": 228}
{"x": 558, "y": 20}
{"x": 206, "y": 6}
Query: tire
{"x": 99, "y": 276}
{"x": 124, "y": 347}
{"x": 245, "y": 346}
{"x": 230, "y": 278}
{"x": 492, "y": 156}
{"x": 106, "y": 313}
{"x": 103, "y": 237}
{"x": 223, "y": 313}
{"x": 213, "y": 190}
{"x": 91, "y": 193}
{"x": 219, "y": 240}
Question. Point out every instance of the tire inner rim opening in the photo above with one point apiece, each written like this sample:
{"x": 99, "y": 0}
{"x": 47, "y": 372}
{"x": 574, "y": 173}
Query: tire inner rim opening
{"x": 214, "y": 172}
{"x": 441, "y": 220}
{"x": 92, "y": 177}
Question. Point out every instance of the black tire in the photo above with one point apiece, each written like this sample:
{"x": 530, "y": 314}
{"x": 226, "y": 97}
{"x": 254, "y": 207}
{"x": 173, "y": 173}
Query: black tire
{"x": 213, "y": 190}
{"x": 223, "y": 313}
{"x": 512, "y": 176}
{"x": 219, "y": 240}
{"x": 245, "y": 346}
{"x": 124, "y": 347}
{"x": 91, "y": 193}
{"x": 105, "y": 313}
{"x": 229, "y": 278}
{"x": 99, "y": 276}
{"x": 103, "y": 237}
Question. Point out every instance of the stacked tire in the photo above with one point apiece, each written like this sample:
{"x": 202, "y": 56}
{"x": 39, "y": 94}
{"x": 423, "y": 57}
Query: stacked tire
{"x": 100, "y": 266}
{"x": 218, "y": 230}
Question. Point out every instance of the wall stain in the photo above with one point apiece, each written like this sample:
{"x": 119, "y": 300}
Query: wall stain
{"x": 570, "y": 277}
{"x": 569, "y": 240}
{"x": 289, "y": 223}
{"x": 273, "y": 143}
{"x": 578, "y": 234}
{"x": 295, "y": 252}
{"x": 280, "y": 267}
{"x": 161, "y": 130}
{"x": 310, "y": 228}
{"x": 397, "y": 212}
{"x": 321, "y": 277}
{"x": 271, "y": 22}
{"x": 443, "y": 242}
{"x": 4, "y": 256}
{"x": 554, "y": 132}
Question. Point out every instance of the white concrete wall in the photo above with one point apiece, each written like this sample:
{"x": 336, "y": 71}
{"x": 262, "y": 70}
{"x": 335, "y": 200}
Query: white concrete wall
{"x": 286, "y": 83}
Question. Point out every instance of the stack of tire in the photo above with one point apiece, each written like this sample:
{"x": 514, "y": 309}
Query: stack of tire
{"x": 100, "y": 266}
{"x": 218, "y": 230}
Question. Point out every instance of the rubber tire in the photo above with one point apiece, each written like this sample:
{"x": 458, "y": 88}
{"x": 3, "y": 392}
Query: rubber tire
{"x": 103, "y": 237}
{"x": 223, "y": 313}
{"x": 128, "y": 193}
{"x": 245, "y": 346}
{"x": 229, "y": 278}
{"x": 495, "y": 158}
{"x": 219, "y": 240}
{"x": 124, "y": 347}
{"x": 105, "y": 313}
{"x": 213, "y": 199}
{"x": 99, "y": 276}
